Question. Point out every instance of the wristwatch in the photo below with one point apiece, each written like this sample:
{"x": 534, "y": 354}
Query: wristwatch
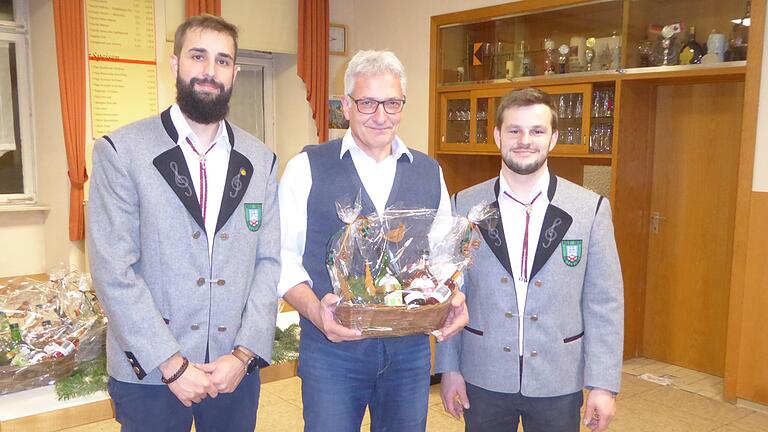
{"x": 250, "y": 361}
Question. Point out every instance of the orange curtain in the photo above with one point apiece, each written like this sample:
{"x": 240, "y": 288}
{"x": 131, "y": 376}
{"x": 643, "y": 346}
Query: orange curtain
{"x": 313, "y": 59}
{"x": 199, "y": 7}
{"x": 69, "y": 21}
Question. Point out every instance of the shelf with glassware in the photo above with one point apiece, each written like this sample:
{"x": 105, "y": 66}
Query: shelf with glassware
{"x": 518, "y": 41}
{"x": 585, "y": 114}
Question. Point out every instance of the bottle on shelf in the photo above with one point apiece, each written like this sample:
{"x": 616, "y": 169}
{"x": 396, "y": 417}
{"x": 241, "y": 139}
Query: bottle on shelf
{"x": 692, "y": 51}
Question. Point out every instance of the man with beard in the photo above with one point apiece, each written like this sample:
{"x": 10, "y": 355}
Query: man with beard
{"x": 184, "y": 244}
{"x": 545, "y": 292}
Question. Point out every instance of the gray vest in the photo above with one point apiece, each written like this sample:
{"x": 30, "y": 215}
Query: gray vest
{"x": 416, "y": 185}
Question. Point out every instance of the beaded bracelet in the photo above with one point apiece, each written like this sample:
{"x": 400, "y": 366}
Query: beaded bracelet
{"x": 178, "y": 373}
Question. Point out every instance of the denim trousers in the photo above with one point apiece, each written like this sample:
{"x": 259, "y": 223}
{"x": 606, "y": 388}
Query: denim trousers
{"x": 145, "y": 407}
{"x": 390, "y": 376}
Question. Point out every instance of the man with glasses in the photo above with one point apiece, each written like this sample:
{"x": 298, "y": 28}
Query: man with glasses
{"x": 342, "y": 373}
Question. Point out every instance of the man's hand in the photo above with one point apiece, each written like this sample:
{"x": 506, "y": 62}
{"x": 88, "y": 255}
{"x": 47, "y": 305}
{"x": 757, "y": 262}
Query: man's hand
{"x": 320, "y": 312}
{"x": 323, "y": 319}
{"x": 225, "y": 372}
{"x": 458, "y": 317}
{"x": 453, "y": 391}
{"x": 192, "y": 386}
{"x": 600, "y": 409}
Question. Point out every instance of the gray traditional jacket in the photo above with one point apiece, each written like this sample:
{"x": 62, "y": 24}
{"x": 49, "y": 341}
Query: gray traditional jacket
{"x": 148, "y": 251}
{"x": 574, "y": 311}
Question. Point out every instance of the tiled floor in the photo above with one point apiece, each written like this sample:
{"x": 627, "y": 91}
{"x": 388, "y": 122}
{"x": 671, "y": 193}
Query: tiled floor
{"x": 691, "y": 403}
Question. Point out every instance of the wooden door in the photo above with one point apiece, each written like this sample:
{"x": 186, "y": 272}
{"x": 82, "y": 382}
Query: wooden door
{"x": 696, "y": 147}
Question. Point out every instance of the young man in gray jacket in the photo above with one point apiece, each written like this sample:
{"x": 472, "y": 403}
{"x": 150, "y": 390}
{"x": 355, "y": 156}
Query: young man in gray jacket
{"x": 545, "y": 294}
{"x": 184, "y": 244}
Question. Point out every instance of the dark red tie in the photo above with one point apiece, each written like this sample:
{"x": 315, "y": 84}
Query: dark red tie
{"x": 524, "y": 254}
{"x": 203, "y": 177}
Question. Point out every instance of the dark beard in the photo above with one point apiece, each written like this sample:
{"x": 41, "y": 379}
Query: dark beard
{"x": 520, "y": 169}
{"x": 202, "y": 108}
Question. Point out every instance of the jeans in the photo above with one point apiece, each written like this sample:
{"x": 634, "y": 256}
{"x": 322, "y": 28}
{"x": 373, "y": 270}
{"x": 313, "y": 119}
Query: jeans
{"x": 146, "y": 407}
{"x": 389, "y": 375}
{"x": 496, "y": 412}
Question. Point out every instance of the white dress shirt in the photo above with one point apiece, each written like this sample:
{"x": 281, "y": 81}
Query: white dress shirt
{"x": 293, "y": 193}
{"x": 216, "y": 164}
{"x": 513, "y": 222}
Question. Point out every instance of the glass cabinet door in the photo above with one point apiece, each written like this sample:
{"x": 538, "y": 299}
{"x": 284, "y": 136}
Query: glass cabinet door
{"x": 467, "y": 121}
{"x": 455, "y": 119}
{"x": 573, "y": 104}
{"x": 601, "y": 120}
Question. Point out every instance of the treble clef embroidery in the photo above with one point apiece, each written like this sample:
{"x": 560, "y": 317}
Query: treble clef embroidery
{"x": 550, "y": 233}
{"x": 494, "y": 234}
{"x": 236, "y": 186}
{"x": 182, "y": 182}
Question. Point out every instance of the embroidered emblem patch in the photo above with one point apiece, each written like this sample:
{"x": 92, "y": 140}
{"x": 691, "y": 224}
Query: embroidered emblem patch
{"x": 571, "y": 252}
{"x": 253, "y": 216}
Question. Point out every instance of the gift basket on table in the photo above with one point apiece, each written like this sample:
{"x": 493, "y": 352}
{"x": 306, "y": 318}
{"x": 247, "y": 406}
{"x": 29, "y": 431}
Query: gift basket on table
{"x": 47, "y": 329}
{"x": 396, "y": 272}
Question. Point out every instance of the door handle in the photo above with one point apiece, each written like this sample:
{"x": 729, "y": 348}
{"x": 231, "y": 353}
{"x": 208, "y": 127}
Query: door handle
{"x": 656, "y": 218}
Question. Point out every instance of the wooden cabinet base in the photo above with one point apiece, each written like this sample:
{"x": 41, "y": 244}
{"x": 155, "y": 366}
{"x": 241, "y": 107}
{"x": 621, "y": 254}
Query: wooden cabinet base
{"x": 61, "y": 418}
{"x": 278, "y": 371}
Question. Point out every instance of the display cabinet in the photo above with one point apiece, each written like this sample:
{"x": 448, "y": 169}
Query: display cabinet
{"x": 642, "y": 88}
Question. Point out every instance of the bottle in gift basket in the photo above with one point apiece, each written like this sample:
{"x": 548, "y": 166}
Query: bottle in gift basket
{"x": 423, "y": 280}
{"x": 15, "y": 335}
{"x": 444, "y": 291}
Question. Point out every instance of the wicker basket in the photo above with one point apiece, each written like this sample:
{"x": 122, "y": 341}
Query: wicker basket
{"x": 377, "y": 320}
{"x": 18, "y": 378}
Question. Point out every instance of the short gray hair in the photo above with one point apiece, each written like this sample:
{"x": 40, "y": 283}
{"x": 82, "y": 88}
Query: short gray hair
{"x": 373, "y": 63}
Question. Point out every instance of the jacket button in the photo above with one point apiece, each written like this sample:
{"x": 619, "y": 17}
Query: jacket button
{"x": 195, "y": 327}
{"x": 221, "y": 328}
{"x": 534, "y": 353}
{"x": 507, "y": 349}
{"x": 200, "y": 281}
{"x": 221, "y": 282}
{"x": 136, "y": 370}
{"x": 131, "y": 361}
{"x": 537, "y": 283}
{"x": 196, "y": 235}
{"x": 509, "y": 315}
{"x": 224, "y": 236}
{"x": 504, "y": 280}
{"x": 534, "y": 317}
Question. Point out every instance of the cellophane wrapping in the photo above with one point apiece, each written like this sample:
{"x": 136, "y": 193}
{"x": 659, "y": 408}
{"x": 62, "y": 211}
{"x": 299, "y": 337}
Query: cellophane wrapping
{"x": 395, "y": 272}
{"x": 61, "y": 325}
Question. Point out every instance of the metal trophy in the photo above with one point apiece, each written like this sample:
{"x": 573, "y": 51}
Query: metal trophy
{"x": 563, "y": 50}
{"x": 645, "y": 50}
{"x": 549, "y": 61}
{"x": 589, "y": 52}
{"x": 668, "y": 34}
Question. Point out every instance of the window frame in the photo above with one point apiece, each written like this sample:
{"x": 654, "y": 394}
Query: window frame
{"x": 265, "y": 60}
{"x": 17, "y": 32}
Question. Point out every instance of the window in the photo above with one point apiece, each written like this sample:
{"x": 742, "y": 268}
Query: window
{"x": 16, "y": 149}
{"x": 252, "y": 104}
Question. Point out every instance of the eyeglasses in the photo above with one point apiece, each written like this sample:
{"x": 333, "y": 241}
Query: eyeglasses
{"x": 369, "y": 106}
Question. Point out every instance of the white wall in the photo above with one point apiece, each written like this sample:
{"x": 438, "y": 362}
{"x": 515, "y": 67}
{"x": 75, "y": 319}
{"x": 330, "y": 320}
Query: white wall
{"x": 403, "y": 27}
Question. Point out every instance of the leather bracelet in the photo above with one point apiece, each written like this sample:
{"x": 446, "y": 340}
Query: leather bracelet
{"x": 178, "y": 374}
